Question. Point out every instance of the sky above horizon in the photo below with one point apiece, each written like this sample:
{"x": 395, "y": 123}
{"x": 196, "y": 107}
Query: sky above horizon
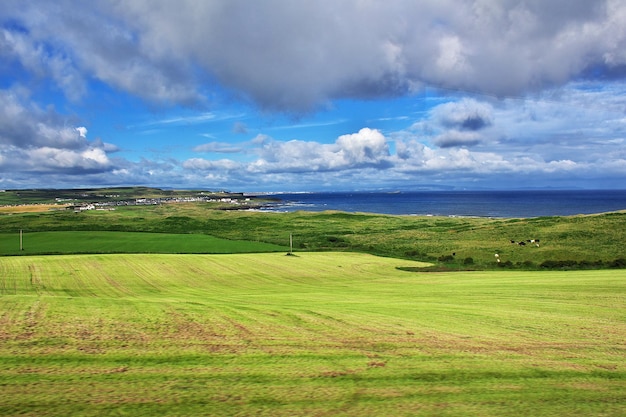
{"x": 302, "y": 95}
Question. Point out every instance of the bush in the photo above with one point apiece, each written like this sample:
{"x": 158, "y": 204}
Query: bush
{"x": 468, "y": 261}
{"x": 563, "y": 264}
{"x": 337, "y": 241}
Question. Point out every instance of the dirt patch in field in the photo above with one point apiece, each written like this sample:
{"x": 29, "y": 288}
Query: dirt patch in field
{"x": 31, "y": 320}
{"x": 187, "y": 328}
{"x": 31, "y": 208}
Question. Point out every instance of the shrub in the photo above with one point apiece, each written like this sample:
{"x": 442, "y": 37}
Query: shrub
{"x": 563, "y": 264}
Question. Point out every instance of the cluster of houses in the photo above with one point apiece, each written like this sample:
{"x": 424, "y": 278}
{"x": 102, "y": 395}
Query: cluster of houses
{"x": 110, "y": 205}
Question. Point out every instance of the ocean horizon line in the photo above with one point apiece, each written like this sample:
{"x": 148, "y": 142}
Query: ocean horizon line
{"x": 458, "y": 203}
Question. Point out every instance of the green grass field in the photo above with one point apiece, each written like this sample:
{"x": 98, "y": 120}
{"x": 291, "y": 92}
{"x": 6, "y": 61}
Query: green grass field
{"x": 317, "y": 334}
{"x": 126, "y": 242}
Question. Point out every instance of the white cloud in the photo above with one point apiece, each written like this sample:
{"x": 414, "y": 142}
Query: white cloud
{"x": 45, "y": 158}
{"x": 82, "y": 131}
{"x": 368, "y": 146}
{"x": 34, "y": 140}
{"x": 207, "y": 165}
{"x": 218, "y": 147}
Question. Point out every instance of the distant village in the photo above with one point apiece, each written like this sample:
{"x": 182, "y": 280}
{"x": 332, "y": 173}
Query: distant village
{"x": 109, "y": 199}
{"x": 235, "y": 203}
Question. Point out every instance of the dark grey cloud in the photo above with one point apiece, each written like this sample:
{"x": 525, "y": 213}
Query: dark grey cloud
{"x": 295, "y": 56}
{"x": 24, "y": 124}
{"x": 465, "y": 115}
{"x": 454, "y": 138}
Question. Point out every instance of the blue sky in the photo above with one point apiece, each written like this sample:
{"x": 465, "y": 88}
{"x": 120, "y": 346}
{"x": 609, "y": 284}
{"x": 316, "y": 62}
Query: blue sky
{"x": 279, "y": 95}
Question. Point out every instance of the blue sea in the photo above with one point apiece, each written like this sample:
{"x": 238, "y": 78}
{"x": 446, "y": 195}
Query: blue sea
{"x": 503, "y": 204}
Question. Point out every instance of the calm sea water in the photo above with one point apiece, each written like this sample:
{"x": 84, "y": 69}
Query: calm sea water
{"x": 460, "y": 203}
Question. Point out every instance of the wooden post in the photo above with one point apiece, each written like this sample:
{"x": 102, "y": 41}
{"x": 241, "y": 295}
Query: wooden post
{"x": 21, "y": 241}
{"x": 290, "y": 242}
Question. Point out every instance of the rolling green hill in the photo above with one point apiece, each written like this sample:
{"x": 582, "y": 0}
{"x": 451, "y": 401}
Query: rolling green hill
{"x": 576, "y": 242}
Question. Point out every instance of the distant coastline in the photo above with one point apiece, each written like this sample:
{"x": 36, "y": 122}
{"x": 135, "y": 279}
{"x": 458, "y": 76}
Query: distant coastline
{"x": 476, "y": 203}
{"x": 498, "y": 204}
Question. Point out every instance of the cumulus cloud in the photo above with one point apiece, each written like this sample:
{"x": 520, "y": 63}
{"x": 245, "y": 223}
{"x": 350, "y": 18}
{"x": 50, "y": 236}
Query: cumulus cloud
{"x": 466, "y": 114}
{"x": 275, "y": 53}
{"x": 366, "y": 148}
{"x": 36, "y": 140}
{"x": 361, "y": 151}
{"x": 463, "y": 122}
{"x": 46, "y": 159}
{"x": 459, "y": 123}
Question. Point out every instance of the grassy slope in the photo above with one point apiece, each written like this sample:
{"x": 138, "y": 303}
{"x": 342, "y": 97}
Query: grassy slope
{"x": 314, "y": 334}
{"x": 580, "y": 238}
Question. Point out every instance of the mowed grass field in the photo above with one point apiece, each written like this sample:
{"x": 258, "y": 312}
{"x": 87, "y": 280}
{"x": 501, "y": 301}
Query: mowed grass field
{"x": 317, "y": 334}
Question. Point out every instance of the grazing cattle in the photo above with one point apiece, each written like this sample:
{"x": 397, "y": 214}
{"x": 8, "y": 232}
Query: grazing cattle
{"x": 523, "y": 243}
